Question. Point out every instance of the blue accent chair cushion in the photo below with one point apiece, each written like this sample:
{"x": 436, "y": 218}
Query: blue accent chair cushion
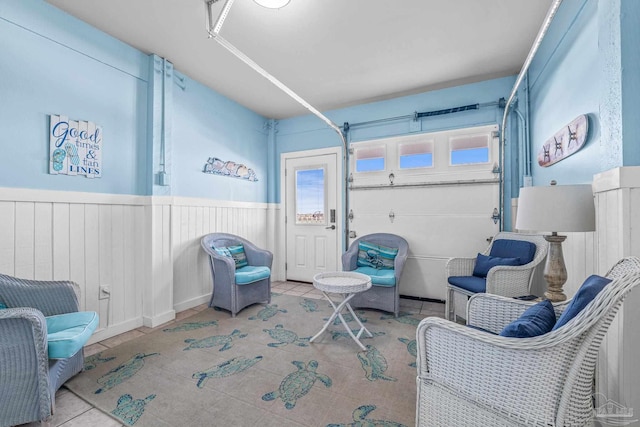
{"x": 470, "y": 283}
{"x": 536, "y": 320}
{"x": 379, "y": 277}
{"x": 587, "y": 292}
{"x": 506, "y": 248}
{"x": 236, "y": 252}
{"x": 249, "y": 274}
{"x": 68, "y": 333}
{"x": 2, "y": 305}
{"x": 484, "y": 263}
{"x": 376, "y": 256}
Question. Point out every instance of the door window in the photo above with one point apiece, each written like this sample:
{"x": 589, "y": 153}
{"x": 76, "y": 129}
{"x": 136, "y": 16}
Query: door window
{"x": 310, "y": 196}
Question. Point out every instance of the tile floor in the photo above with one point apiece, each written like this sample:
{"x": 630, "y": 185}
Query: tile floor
{"x": 71, "y": 411}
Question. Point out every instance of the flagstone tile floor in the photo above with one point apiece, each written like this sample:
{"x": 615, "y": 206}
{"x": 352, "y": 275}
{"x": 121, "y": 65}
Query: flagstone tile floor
{"x": 71, "y": 411}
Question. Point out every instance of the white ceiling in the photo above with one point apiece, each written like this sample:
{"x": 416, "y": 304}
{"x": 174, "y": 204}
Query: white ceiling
{"x": 333, "y": 53}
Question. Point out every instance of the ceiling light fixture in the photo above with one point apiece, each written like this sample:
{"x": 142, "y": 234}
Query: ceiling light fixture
{"x": 272, "y": 4}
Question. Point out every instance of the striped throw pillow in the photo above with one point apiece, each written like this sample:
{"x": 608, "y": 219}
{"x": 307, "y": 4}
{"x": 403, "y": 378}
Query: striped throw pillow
{"x": 376, "y": 256}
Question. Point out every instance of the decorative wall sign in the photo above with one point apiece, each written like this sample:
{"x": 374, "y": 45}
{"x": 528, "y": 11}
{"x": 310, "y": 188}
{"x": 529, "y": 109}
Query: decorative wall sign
{"x": 565, "y": 142}
{"x": 75, "y": 147}
{"x": 229, "y": 168}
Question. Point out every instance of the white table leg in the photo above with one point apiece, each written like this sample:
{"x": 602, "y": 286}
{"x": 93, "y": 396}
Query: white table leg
{"x": 337, "y": 313}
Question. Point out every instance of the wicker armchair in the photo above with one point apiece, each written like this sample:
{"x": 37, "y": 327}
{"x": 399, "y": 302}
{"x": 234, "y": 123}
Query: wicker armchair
{"x": 236, "y": 288}
{"x": 382, "y": 295}
{"x": 28, "y": 378}
{"x": 470, "y": 377}
{"x": 506, "y": 280}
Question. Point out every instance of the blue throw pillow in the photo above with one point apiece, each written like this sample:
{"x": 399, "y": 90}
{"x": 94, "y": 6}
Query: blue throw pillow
{"x": 376, "y": 256}
{"x": 536, "y": 320}
{"x": 484, "y": 263}
{"x": 587, "y": 292}
{"x": 235, "y": 252}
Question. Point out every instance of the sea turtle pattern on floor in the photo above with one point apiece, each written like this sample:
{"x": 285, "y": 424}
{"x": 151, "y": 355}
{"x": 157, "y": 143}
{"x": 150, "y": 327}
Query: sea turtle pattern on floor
{"x": 190, "y": 326}
{"x": 129, "y": 410}
{"x": 226, "y": 341}
{"x": 91, "y": 362}
{"x": 297, "y": 384}
{"x": 285, "y": 336}
{"x": 309, "y": 305}
{"x": 267, "y": 312}
{"x": 336, "y": 335}
{"x": 374, "y": 364}
{"x": 225, "y": 369}
{"x": 360, "y": 419}
{"x": 412, "y": 348}
{"x": 122, "y": 373}
{"x": 403, "y": 317}
{"x": 348, "y": 318}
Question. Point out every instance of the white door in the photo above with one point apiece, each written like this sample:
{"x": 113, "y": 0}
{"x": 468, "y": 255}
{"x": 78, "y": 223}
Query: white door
{"x": 312, "y": 215}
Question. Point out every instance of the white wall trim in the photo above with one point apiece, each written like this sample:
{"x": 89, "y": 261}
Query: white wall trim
{"x": 152, "y": 322}
{"x": 193, "y": 302}
{"x": 47, "y": 196}
{"x": 114, "y": 330}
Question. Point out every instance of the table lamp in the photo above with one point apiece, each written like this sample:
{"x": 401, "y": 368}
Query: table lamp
{"x": 556, "y": 208}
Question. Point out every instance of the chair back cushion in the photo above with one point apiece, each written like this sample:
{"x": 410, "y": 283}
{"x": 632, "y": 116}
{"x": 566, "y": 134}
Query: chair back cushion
{"x": 587, "y": 292}
{"x": 68, "y": 333}
{"x": 536, "y": 320}
{"x": 484, "y": 263}
{"x": 236, "y": 252}
{"x": 506, "y": 248}
{"x": 376, "y": 256}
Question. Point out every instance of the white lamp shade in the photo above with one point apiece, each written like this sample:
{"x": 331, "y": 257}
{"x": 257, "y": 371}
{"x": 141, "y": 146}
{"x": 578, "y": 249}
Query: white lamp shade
{"x": 272, "y": 4}
{"x": 560, "y": 208}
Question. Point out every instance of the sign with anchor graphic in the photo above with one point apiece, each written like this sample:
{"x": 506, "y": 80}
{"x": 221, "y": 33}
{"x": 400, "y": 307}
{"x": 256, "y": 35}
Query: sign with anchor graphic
{"x": 75, "y": 147}
{"x": 565, "y": 142}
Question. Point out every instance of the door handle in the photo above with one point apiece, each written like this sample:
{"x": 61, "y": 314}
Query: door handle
{"x": 332, "y": 227}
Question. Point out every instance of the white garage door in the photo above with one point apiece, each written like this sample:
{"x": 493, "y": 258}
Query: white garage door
{"x": 437, "y": 190}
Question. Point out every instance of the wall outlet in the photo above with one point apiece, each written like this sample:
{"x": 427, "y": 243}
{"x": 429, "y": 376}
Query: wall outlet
{"x": 105, "y": 292}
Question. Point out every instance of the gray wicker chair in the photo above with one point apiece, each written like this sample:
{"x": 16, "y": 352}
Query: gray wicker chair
{"x": 28, "y": 378}
{"x": 385, "y": 298}
{"x": 470, "y": 377}
{"x": 506, "y": 280}
{"x": 227, "y": 294}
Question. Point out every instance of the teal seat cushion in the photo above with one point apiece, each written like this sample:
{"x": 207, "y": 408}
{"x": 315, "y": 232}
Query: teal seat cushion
{"x": 379, "y": 277}
{"x": 250, "y": 274}
{"x": 68, "y": 333}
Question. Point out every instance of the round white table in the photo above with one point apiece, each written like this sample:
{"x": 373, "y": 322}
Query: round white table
{"x": 347, "y": 284}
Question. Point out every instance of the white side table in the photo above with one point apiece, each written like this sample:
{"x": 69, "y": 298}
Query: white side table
{"x": 348, "y": 284}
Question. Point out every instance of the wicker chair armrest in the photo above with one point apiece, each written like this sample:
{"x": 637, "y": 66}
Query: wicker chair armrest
{"x": 477, "y": 365}
{"x": 257, "y": 256}
{"x": 50, "y": 297}
{"x": 24, "y": 358}
{"x": 510, "y": 281}
{"x": 350, "y": 258}
{"x": 460, "y": 266}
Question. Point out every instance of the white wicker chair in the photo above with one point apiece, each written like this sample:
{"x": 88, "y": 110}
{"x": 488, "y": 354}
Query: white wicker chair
{"x": 470, "y": 377}
{"x": 509, "y": 281}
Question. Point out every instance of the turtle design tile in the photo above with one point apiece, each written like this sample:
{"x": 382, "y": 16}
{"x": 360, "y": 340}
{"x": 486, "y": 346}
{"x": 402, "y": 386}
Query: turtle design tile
{"x": 225, "y": 369}
{"x": 285, "y": 336}
{"x": 297, "y": 384}
{"x": 226, "y": 341}
{"x": 412, "y": 348}
{"x": 190, "y": 326}
{"x": 309, "y": 305}
{"x": 91, "y": 362}
{"x": 129, "y": 410}
{"x": 374, "y": 364}
{"x": 122, "y": 373}
{"x": 360, "y": 419}
{"x": 336, "y": 335}
{"x": 267, "y": 312}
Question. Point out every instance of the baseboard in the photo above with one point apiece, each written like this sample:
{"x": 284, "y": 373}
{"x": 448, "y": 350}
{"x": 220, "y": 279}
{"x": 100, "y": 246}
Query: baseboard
{"x": 113, "y": 330}
{"x": 193, "y": 302}
{"x": 152, "y": 322}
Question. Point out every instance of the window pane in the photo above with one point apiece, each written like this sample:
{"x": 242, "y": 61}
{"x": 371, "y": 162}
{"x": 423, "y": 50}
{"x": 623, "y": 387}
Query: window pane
{"x": 310, "y": 196}
{"x": 423, "y": 160}
{"x": 473, "y": 155}
{"x": 370, "y": 165}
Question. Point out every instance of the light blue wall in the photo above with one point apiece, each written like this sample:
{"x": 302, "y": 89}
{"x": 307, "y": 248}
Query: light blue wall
{"x": 581, "y": 68}
{"x": 206, "y": 124}
{"x": 52, "y": 63}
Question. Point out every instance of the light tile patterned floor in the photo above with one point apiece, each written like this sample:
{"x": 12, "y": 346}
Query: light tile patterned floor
{"x": 71, "y": 411}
